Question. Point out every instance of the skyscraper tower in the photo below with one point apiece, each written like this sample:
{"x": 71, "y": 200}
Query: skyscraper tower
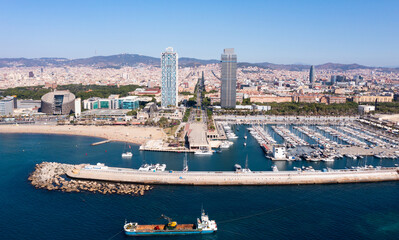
{"x": 311, "y": 75}
{"x": 229, "y": 79}
{"x": 169, "y": 63}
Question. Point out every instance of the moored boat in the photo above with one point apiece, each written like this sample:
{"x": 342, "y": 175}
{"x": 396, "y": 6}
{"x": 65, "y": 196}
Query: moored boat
{"x": 203, "y": 226}
{"x": 203, "y": 152}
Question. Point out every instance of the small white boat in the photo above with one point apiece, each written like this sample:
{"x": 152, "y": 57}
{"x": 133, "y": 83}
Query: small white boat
{"x": 127, "y": 152}
{"x": 237, "y": 167}
{"x": 160, "y": 167}
{"x": 203, "y": 152}
{"x": 245, "y": 144}
{"x": 127, "y": 155}
{"x": 144, "y": 167}
{"x": 225, "y": 144}
{"x": 328, "y": 159}
{"x": 275, "y": 169}
{"x": 153, "y": 167}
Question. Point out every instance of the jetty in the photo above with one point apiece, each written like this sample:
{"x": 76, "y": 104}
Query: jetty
{"x": 51, "y": 176}
{"x": 327, "y": 176}
{"x": 101, "y": 142}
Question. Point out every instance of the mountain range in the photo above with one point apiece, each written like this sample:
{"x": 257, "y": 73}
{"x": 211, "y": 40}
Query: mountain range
{"x": 121, "y": 60}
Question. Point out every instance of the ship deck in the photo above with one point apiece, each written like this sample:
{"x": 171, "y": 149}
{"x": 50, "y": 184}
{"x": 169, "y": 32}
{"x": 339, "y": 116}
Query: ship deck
{"x": 179, "y": 227}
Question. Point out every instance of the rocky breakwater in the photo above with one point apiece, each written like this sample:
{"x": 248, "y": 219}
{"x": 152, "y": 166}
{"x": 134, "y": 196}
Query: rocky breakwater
{"x": 52, "y": 176}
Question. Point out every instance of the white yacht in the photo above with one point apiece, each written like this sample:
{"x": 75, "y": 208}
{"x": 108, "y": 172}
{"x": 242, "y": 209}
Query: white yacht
{"x": 153, "y": 167}
{"x": 127, "y": 155}
{"x": 127, "y": 152}
{"x": 203, "y": 152}
{"x": 144, "y": 167}
{"x": 226, "y": 144}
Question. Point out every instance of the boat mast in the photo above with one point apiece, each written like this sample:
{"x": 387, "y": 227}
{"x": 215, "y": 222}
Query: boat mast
{"x": 185, "y": 165}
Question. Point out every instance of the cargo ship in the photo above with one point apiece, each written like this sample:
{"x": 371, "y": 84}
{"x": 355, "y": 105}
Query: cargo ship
{"x": 203, "y": 226}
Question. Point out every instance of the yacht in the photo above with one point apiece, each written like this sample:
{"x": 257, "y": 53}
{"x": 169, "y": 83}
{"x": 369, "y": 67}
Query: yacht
{"x": 226, "y": 144}
{"x": 237, "y": 167}
{"x": 127, "y": 152}
{"x": 127, "y": 155}
{"x": 144, "y": 167}
{"x": 153, "y": 167}
{"x": 203, "y": 152}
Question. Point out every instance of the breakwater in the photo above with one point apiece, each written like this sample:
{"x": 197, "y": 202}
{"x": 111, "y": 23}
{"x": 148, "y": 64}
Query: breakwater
{"x": 330, "y": 176}
{"x": 52, "y": 176}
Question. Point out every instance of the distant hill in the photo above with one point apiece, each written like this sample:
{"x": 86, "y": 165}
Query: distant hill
{"x": 289, "y": 67}
{"x": 121, "y": 60}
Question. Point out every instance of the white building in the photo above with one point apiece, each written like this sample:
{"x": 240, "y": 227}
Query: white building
{"x": 169, "y": 89}
{"x": 365, "y": 109}
{"x": 279, "y": 152}
{"x": 6, "y": 106}
{"x": 78, "y": 107}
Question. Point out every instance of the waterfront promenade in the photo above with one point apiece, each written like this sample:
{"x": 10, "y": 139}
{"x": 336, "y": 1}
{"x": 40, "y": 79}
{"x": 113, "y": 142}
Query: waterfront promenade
{"x": 236, "y": 178}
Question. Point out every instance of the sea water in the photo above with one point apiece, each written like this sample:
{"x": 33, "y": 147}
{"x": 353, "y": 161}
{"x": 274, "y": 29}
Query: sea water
{"x": 338, "y": 211}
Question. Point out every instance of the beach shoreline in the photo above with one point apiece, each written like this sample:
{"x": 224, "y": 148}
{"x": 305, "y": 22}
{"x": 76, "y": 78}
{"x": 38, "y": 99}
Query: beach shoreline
{"x": 131, "y": 134}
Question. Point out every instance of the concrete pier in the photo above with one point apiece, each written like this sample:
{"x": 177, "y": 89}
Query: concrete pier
{"x": 236, "y": 178}
{"x": 101, "y": 142}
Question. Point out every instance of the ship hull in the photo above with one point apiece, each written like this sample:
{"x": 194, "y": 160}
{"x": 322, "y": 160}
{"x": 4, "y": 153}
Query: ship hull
{"x": 170, "y": 233}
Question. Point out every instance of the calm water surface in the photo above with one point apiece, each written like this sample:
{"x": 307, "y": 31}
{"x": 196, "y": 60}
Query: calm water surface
{"x": 349, "y": 211}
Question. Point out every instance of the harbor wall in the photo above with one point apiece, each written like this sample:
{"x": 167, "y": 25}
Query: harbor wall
{"x": 237, "y": 178}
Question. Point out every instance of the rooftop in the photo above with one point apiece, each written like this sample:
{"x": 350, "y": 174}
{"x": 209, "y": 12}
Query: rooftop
{"x": 105, "y": 112}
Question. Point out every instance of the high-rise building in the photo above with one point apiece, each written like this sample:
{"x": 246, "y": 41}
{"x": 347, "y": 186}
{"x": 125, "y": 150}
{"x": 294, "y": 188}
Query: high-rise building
{"x": 6, "y": 106}
{"x": 78, "y": 107}
{"x": 229, "y": 79}
{"x": 311, "y": 75}
{"x": 169, "y": 64}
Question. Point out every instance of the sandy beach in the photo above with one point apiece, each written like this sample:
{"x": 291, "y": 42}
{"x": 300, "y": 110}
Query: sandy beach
{"x": 132, "y": 134}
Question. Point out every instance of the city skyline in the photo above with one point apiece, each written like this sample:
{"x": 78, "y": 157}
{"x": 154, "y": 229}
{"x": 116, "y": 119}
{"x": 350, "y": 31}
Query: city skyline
{"x": 277, "y": 32}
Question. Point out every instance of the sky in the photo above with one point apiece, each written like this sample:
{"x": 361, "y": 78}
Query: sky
{"x": 280, "y": 31}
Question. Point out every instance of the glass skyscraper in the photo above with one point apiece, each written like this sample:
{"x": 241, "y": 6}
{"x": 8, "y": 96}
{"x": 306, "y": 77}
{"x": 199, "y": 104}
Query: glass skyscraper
{"x": 169, "y": 64}
{"x": 229, "y": 79}
{"x": 311, "y": 75}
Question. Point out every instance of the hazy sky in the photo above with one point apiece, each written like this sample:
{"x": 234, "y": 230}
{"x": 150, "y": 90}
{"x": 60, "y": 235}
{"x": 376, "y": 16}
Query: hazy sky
{"x": 311, "y": 32}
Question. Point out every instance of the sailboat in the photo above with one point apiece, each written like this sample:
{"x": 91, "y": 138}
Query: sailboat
{"x": 185, "y": 165}
{"x": 246, "y": 169}
{"x": 127, "y": 152}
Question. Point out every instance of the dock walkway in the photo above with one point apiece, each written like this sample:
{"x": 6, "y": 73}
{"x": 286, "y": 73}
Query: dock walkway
{"x": 236, "y": 178}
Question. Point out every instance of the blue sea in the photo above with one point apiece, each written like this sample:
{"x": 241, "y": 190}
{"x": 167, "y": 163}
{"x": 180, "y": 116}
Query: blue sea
{"x": 347, "y": 211}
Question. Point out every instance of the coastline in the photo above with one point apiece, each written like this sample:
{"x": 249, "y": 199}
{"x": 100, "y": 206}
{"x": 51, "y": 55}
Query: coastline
{"x": 131, "y": 134}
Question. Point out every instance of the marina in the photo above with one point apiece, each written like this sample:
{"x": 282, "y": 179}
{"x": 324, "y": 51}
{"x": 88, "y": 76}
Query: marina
{"x": 290, "y": 138}
{"x": 323, "y": 142}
